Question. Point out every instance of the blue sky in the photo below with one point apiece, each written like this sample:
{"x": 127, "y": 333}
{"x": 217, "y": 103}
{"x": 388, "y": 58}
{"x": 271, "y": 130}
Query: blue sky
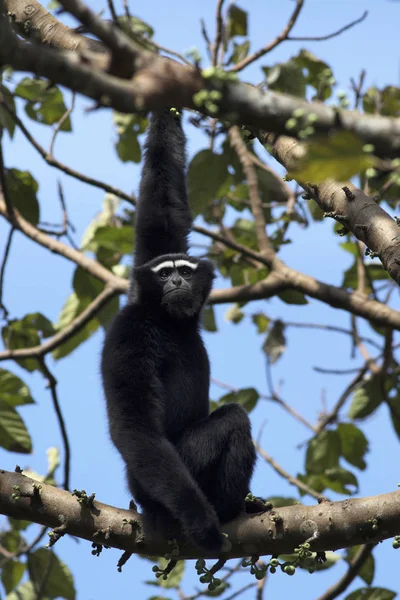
{"x": 39, "y": 281}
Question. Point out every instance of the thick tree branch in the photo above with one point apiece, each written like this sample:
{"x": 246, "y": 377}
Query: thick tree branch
{"x": 357, "y": 211}
{"x": 159, "y": 82}
{"x": 328, "y": 526}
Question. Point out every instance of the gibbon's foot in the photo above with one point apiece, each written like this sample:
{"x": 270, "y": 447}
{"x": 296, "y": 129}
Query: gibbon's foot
{"x": 205, "y": 533}
{"x": 254, "y": 505}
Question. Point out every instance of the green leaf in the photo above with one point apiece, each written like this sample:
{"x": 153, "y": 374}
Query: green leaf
{"x": 13, "y": 390}
{"x": 26, "y": 333}
{"x": 339, "y": 156}
{"x": 246, "y": 397}
{"x": 323, "y": 452}
{"x": 371, "y": 101}
{"x": 11, "y": 574}
{"x": 208, "y": 319}
{"x": 292, "y": 297}
{"x": 71, "y": 309}
{"x": 135, "y": 27}
{"x": 239, "y": 52}
{"x": 318, "y": 73}
{"x": 275, "y": 342}
{"x": 366, "y": 399}
{"x": 371, "y": 594}
{"x": 26, "y": 591}
{"x": 23, "y": 189}
{"x": 10, "y": 540}
{"x": 315, "y": 210}
{"x": 43, "y": 104}
{"x": 237, "y": 21}
{"x": 13, "y": 434}
{"x": 385, "y": 102}
{"x": 234, "y": 314}
{"x": 7, "y": 122}
{"x": 244, "y": 232}
{"x": 105, "y": 217}
{"x": 354, "y": 444}
{"x": 45, "y": 565}
{"x": 19, "y": 524}
{"x": 128, "y": 129}
{"x": 261, "y": 321}
{"x": 286, "y": 77}
{"x": 117, "y": 239}
{"x": 367, "y": 571}
{"x": 207, "y": 173}
{"x": 337, "y": 478}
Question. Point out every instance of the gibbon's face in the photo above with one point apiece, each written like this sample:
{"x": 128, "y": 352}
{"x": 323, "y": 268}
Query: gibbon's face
{"x": 177, "y": 283}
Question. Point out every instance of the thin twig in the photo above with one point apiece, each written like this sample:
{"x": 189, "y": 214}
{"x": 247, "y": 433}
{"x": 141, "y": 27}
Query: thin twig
{"x": 240, "y": 148}
{"x": 278, "y": 40}
{"x": 61, "y": 123}
{"x": 206, "y": 39}
{"x": 241, "y": 591}
{"x": 332, "y": 416}
{"x": 354, "y": 569}
{"x": 3, "y": 184}
{"x": 321, "y": 38}
{"x": 52, "y": 384}
{"x": 273, "y": 398}
{"x": 289, "y": 478}
{"x": 3, "y": 269}
{"x": 63, "y": 336}
{"x": 219, "y": 32}
{"x": 53, "y": 162}
{"x": 113, "y": 12}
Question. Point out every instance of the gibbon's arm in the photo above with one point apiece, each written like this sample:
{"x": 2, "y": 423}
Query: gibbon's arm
{"x": 163, "y": 218}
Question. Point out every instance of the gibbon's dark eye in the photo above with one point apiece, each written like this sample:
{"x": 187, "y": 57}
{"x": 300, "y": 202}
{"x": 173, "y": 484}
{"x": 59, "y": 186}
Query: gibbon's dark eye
{"x": 186, "y": 272}
{"x": 164, "y": 274}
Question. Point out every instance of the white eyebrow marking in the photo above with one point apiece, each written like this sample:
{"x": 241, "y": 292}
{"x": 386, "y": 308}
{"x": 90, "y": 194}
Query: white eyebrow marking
{"x": 185, "y": 263}
{"x": 167, "y": 264}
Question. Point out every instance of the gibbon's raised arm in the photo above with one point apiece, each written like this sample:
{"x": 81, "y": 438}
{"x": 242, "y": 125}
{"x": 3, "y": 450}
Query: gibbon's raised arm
{"x": 163, "y": 218}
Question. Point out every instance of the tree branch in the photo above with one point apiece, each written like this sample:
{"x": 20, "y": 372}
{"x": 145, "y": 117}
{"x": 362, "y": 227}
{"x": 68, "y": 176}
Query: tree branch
{"x": 354, "y": 569}
{"x": 160, "y": 82}
{"x": 72, "y": 329}
{"x": 278, "y": 40}
{"x": 240, "y": 148}
{"x": 360, "y": 213}
{"x": 328, "y": 526}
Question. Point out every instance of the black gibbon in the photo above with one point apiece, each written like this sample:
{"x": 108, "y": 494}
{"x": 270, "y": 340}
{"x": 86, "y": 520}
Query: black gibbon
{"x": 185, "y": 467}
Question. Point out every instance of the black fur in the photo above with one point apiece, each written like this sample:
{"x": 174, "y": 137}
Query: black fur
{"x": 184, "y": 466}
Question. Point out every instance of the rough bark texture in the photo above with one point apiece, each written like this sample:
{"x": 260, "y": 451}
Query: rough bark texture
{"x": 327, "y": 526}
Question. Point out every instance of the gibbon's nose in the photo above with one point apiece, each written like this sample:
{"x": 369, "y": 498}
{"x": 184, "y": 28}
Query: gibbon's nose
{"x": 176, "y": 279}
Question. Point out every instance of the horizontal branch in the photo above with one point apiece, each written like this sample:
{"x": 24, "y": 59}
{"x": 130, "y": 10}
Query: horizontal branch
{"x": 280, "y": 279}
{"x": 327, "y": 526}
{"x": 160, "y": 82}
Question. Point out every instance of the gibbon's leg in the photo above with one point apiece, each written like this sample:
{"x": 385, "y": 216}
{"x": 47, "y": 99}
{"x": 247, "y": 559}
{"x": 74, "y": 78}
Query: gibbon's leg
{"x": 157, "y": 476}
{"x": 220, "y": 454}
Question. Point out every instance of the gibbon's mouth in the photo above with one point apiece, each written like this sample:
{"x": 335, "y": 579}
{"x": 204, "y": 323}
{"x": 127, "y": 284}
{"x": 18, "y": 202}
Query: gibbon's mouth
{"x": 179, "y": 291}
